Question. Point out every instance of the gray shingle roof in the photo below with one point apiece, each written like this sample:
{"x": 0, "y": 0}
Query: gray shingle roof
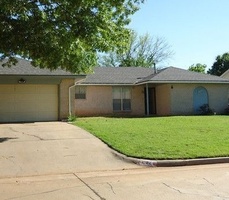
{"x": 140, "y": 75}
{"x": 173, "y": 74}
{"x": 117, "y": 75}
{"x": 24, "y": 67}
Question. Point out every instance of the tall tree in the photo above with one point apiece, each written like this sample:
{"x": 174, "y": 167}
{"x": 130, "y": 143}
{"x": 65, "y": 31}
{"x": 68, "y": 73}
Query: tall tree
{"x": 142, "y": 51}
{"x": 220, "y": 65}
{"x": 198, "y": 68}
{"x": 67, "y": 34}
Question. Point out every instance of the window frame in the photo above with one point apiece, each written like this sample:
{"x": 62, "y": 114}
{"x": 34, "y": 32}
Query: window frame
{"x": 80, "y": 92}
{"x": 122, "y": 99}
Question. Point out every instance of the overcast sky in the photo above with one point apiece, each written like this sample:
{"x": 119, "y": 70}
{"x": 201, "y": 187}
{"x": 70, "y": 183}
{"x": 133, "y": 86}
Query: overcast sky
{"x": 197, "y": 30}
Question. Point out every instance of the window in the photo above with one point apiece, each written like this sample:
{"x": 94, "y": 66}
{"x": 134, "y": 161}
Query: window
{"x": 80, "y": 92}
{"x": 121, "y": 99}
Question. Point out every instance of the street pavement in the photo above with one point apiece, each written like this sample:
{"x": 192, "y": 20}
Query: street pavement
{"x": 56, "y": 160}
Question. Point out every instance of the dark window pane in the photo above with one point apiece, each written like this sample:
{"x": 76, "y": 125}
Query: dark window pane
{"x": 80, "y": 96}
{"x": 126, "y": 104}
{"x": 80, "y": 92}
{"x": 116, "y": 104}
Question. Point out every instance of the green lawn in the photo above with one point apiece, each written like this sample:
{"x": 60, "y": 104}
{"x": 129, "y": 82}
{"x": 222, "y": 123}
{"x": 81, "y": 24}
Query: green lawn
{"x": 163, "y": 137}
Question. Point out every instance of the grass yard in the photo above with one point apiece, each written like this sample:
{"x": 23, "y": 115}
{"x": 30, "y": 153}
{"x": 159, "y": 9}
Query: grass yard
{"x": 163, "y": 137}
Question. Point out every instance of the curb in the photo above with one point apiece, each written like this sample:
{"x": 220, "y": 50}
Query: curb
{"x": 171, "y": 163}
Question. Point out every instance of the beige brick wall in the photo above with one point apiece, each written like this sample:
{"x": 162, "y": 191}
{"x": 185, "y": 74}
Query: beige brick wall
{"x": 98, "y": 102}
{"x": 171, "y": 99}
{"x": 138, "y": 101}
{"x": 182, "y": 97}
{"x": 218, "y": 97}
{"x": 163, "y": 99}
{"x": 64, "y": 98}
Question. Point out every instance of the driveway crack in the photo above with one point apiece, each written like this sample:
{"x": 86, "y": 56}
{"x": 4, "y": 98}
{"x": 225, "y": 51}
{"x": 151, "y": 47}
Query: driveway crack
{"x": 88, "y": 186}
{"x": 23, "y": 133}
{"x": 35, "y": 194}
{"x": 208, "y": 181}
{"x": 172, "y": 188}
{"x": 40, "y": 138}
{"x": 89, "y": 197}
{"x": 111, "y": 187}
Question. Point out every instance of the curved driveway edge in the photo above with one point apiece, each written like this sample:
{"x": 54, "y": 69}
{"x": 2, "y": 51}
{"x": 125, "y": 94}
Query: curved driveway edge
{"x": 171, "y": 163}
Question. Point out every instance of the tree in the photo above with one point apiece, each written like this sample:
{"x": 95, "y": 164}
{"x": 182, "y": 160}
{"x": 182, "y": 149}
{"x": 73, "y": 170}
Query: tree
{"x": 198, "y": 68}
{"x": 67, "y": 34}
{"x": 142, "y": 51}
{"x": 220, "y": 65}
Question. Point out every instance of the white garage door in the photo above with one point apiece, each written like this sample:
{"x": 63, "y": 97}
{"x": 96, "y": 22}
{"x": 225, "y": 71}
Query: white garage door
{"x": 24, "y": 103}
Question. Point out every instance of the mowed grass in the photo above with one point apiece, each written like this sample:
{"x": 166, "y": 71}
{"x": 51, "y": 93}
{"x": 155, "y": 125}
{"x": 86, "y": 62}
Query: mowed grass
{"x": 180, "y": 137}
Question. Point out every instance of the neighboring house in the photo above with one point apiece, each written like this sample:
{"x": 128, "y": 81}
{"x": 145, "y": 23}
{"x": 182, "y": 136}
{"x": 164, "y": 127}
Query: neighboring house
{"x": 33, "y": 94}
{"x": 142, "y": 91}
{"x": 225, "y": 74}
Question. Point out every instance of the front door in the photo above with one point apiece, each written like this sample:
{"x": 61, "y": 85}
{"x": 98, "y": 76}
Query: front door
{"x": 152, "y": 101}
{"x": 200, "y": 98}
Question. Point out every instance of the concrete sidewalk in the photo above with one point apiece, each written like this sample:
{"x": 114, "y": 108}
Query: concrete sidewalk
{"x": 52, "y": 148}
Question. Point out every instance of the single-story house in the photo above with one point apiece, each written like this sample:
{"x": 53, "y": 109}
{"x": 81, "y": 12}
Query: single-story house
{"x": 143, "y": 91}
{"x": 33, "y": 94}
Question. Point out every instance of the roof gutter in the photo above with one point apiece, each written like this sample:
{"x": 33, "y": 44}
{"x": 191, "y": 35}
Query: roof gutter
{"x": 109, "y": 84}
{"x": 191, "y": 82}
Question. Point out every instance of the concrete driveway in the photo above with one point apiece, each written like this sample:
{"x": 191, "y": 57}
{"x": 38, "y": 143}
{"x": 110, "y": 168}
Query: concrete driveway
{"x": 51, "y": 148}
{"x": 55, "y": 160}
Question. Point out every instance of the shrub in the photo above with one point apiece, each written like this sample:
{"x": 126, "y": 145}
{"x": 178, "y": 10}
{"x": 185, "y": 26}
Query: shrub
{"x": 72, "y": 118}
{"x": 227, "y": 110}
{"x": 206, "y": 110}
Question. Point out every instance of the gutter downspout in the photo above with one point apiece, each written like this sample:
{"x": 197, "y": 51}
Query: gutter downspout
{"x": 147, "y": 99}
{"x": 69, "y": 96}
{"x": 69, "y": 99}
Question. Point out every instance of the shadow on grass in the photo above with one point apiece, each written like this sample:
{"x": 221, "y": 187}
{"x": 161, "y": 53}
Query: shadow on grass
{"x": 5, "y": 139}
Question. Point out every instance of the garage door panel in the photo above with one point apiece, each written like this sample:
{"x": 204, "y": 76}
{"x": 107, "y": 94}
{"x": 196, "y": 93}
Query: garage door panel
{"x": 50, "y": 89}
{"x": 25, "y": 89}
{"x": 46, "y": 117}
{"x": 6, "y": 116}
{"x": 45, "y": 107}
{"x": 7, "y": 107}
{"x": 47, "y": 98}
{"x": 25, "y": 116}
{"x": 26, "y": 97}
{"x": 6, "y": 98}
{"x": 28, "y": 103}
{"x": 20, "y": 108}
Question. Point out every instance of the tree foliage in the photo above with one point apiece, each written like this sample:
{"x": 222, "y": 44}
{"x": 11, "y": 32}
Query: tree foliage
{"x": 220, "y": 65}
{"x": 198, "y": 68}
{"x": 63, "y": 33}
{"x": 142, "y": 51}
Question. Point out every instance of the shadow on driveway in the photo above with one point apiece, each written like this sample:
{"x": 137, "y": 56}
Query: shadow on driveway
{"x": 5, "y": 139}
